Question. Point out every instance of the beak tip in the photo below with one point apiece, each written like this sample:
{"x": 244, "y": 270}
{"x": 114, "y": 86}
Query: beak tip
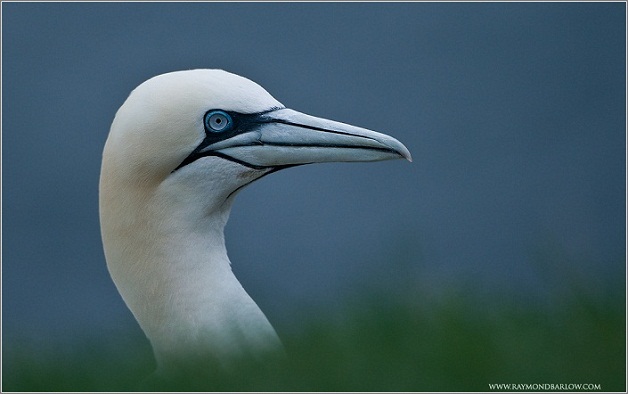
{"x": 403, "y": 151}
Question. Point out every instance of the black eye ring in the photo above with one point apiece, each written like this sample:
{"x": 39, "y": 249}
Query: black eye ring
{"x": 218, "y": 121}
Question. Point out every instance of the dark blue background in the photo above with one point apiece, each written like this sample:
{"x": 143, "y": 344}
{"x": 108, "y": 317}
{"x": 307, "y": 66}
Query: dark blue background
{"x": 514, "y": 113}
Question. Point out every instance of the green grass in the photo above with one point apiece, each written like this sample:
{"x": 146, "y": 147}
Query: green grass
{"x": 457, "y": 344}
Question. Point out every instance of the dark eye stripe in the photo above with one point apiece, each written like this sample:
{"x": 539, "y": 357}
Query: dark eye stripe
{"x": 240, "y": 124}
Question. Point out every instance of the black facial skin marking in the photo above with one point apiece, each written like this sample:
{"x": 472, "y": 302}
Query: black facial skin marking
{"x": 242, "y": 123}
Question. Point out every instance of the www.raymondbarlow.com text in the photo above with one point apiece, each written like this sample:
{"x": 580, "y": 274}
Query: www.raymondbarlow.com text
{"x": 544, "y": 386}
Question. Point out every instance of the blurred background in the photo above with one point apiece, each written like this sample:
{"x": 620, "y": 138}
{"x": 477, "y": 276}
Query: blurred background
{"x": 512, "y": 212}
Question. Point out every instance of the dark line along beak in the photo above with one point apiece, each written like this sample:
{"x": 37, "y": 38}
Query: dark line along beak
{"x": 285, "y": 137}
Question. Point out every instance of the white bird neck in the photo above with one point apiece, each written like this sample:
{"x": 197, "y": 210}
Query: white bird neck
{"x": 167, "y": 256}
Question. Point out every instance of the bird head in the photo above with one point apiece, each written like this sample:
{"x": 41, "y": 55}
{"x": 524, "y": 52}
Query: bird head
{"x": 217, "y": 132}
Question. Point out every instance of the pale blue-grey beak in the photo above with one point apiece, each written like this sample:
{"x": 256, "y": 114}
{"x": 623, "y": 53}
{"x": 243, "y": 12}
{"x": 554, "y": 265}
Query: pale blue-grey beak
{"x": 284, "y": 137}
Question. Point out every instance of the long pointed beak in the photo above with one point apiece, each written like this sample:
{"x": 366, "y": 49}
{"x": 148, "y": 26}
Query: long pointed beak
{"x": 285, "y": 137}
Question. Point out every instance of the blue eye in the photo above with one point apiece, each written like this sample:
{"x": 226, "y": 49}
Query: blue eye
{"x": 218, "y": 121}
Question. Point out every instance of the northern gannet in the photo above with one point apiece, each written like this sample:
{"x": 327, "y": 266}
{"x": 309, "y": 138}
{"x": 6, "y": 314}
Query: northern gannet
{"x": 179, "y": 149}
